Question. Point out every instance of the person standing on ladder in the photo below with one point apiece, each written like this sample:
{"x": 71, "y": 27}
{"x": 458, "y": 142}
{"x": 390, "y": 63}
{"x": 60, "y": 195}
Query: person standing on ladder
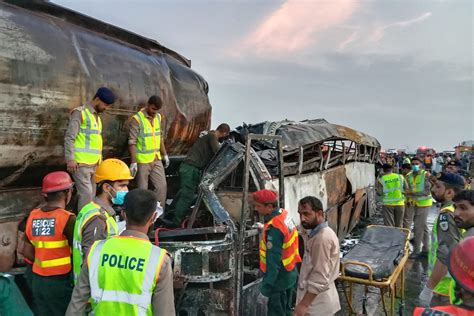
{"x": 147, "y": 148}
{"x": 83, "y": 143}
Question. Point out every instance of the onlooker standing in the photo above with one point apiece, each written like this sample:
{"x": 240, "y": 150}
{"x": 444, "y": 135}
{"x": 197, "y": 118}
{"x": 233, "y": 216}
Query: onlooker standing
{"x": 317, "y": 293}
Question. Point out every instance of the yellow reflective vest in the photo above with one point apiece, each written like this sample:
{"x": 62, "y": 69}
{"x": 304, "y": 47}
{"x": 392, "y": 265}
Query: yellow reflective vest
{"x": 149, "y": 138}
{"x": 123, "y": 272}
{"x": 392, "y": 185}
{"x": 88, "y": 143}
{"x": 417, "y": 184}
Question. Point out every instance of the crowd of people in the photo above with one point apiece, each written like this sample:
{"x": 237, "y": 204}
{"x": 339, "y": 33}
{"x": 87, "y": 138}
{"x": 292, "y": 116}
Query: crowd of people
{"x": 407, "y": 198}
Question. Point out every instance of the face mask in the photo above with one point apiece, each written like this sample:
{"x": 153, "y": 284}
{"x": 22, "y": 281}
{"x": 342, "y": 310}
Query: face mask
{"x": 415, "y": 168}
{"x": 119, "y": 197}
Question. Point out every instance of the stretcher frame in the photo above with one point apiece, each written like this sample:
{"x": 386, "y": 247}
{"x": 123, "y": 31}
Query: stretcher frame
{"x": 386, "y": 285}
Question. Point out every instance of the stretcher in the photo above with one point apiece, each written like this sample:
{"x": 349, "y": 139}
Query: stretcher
{"x": 378, "y": 260}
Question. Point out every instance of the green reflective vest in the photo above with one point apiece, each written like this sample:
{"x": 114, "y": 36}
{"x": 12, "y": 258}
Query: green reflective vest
{"x": 88, "y": 143}
{"x": 89, "y": 211}
{"x": 392, "y": 189}
{"x": 149, "y": 138}
{"x": 417, "y": 184}
{"x": 444, "y": 285}
{"x": 123, "y": 272}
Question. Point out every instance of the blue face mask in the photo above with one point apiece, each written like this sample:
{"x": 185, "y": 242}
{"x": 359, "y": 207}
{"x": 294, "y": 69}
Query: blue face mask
{"x": 119, "y": 197}
{"x": 415, "y": 168}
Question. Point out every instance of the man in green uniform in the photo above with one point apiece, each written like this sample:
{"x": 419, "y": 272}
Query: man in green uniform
{"x": 278, "y": 254}
{"x": 391, "y": 187}
{"x": 198, "y": 157}
{"x": 444, "y": 236}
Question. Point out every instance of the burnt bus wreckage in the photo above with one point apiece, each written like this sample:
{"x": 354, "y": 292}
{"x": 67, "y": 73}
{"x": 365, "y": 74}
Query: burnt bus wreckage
{"x": 216, "y": 261}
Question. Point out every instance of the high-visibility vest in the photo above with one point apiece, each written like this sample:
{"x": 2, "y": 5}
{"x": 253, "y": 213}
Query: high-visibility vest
{"x": 149, "y": 138}
{"x": 449, "y": 310}
{"x": 290, "y": 253}
{"x": 88, "y": 212}
{"x": 123, "y": 272}
{"x": 392, "y": 185}
{"x": 417, "y": 184}
{"x": 88, "y": 143}
{"x": 444, "y": 285}
{"x": 45, "y": 231}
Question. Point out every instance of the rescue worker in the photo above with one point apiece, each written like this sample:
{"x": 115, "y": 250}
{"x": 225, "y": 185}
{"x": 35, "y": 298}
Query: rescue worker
{"x": 278, "y": 254}
{"x": 147, "y": 148}
{"x": 190, "y": 170}
{"x": 461, "y": 268}
{"x": 419, "y": 194}
{"x": 83, "y": 143}
{"x": 48, "y": 240}
{"x": 96, "y": 220}
{"x": 316, "y": 292}
{"x": 444, "y": 236}
{"x": 464, "y": 212}
{"x": 126, "y": 274}
{"x": 391, "y": 187}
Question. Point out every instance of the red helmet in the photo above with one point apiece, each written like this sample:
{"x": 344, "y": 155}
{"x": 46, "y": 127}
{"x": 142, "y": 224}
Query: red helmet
{"x": 461, "y": 264}
{"x": 56, "y": 181}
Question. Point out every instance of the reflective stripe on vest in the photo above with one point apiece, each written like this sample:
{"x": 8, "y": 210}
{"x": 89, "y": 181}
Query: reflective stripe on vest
{"x": 443, "y": 286}
{"x": 392, "y": 189}
{"x": 134, "y": 296}
{"x": 89, "y": 211}
{"x": 149, "y": 138}
{"x": 290, "y": 251}
{"x": 417, "y": 184}
{"x": 45, "y": 231}
{"x": 88, "y": 143}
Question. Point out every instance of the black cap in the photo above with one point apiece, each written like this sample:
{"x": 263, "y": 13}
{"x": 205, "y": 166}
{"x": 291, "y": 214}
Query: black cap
{"x": 386, "y": 166}
{"x": 454, "y": 163}
{"x": 105, "y": 95}
{"x": 451, "y": 178}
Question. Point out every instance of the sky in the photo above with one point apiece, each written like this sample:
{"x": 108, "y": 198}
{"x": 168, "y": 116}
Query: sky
{"x": 399, "y": 70}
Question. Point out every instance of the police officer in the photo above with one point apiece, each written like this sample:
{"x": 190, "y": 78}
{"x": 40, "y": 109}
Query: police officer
{"x": 83, "y": 143}
{"x": 454, "y": 166}
{"x": 391, "y": 187}
{"x": 461, "y": 268}
{"x": 464, "y": 213}
{"x": 444, "y": 236}
{"x": 126, "y": 274}
{"x": 96, "y": 220}
{"x": 278, "y": 254}
{"x": 419, "y": 195}
{"x": 48, "y": 240}
{"x": 147, "y": 148}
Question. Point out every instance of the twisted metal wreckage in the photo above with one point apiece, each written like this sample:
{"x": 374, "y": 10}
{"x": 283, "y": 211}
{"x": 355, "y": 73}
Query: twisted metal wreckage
{"x": 216, "y": 255}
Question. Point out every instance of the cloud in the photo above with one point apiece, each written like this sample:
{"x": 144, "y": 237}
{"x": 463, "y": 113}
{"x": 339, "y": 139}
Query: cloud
{"x": 352, "y": 38}
{"x": 379, "y": 32}
{"x": 294, "y": 25}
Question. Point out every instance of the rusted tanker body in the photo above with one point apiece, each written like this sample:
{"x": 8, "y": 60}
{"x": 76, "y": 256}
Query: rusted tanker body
{"x": 52, "y": 60}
